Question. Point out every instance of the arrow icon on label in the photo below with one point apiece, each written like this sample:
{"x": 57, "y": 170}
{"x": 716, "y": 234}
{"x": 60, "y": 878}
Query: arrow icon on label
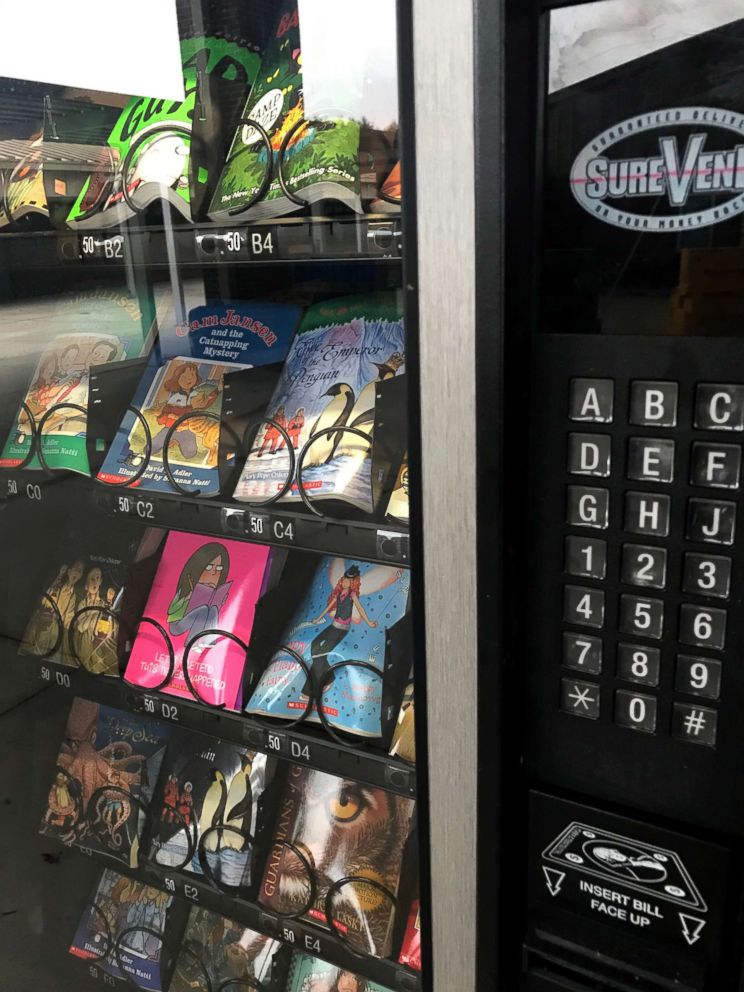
{"x": 553, "y": 879}
{"x": 692, "y": 927}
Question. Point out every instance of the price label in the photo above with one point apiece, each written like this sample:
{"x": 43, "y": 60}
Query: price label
{"x": 11, "y": 488}
{"x": 233, "y": 242}
{"x": 108, "y": 249}
{"x": 275, "y": 742}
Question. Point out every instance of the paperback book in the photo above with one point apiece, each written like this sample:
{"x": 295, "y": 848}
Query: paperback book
{"x": 410, "y": 953}
{"x": 342, "y": 351}
{"x": 105, "y": 773}
{"x": 404, "y": 737}
{"x": 201, "y": 587}
{"x": 351, "y": 830}
{"x": 344, "y": 616}
{"x": 310, "y": 974}
{"x": 397, "y": 508}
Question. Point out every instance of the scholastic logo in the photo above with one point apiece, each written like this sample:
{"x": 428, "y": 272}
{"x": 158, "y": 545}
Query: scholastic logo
{"x": 691, "y": 156}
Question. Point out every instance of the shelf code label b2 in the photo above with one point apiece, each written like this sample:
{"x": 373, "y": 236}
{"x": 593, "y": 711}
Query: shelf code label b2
{"x": 107, "y": 249}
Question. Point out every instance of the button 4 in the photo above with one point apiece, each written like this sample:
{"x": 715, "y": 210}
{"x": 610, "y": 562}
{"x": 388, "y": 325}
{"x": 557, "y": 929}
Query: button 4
{"x": 719, "y": 407}
{"x": 580, "y": 698}
{"x": 653, "y": 404}
{"x": 589, "y": 454}
{"x": 583, "y": 607}
{"x": 717, "y": 466}
{"x": 591, "y": 400}
{"x": 697, "y": 724}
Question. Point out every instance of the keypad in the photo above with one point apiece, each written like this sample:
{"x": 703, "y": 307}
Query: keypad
{"x": 651, "y": 518}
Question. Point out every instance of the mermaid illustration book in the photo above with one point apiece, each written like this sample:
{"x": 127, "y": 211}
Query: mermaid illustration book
{"x": 106, "y": 769}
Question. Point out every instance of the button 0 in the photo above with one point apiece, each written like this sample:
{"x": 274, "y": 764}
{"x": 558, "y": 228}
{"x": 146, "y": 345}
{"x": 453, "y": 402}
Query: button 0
{"x": 647, "y": 513}
{"x": 697, "y": 724}
{"x": 703, "y": 626}
{"x": 653, "y": 404}
{"x": 711, "y": 521}
{"x": 650, "y": 459}
{"x": 582, "y": 652}
{"x": 586, "y": 556}
{"x": 589, "y": 454}
{"x": 635, "y": 711}
{"x": 644, "y": 566}
{"x": 698, "y": 676}
{"x": 591, "y": 400}
{"x": 638, "y": 664}
{"x": 707, "y": 575}
{"x": 717, "y": 466}
{"x": 580, "y": 698}
{"x": 584, "y": 607}
{"x": 719, "y": 407}
{"x": 588, "y": 507}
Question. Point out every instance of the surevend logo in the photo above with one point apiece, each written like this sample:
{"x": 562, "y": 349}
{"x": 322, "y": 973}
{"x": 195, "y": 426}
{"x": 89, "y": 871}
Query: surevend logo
{"x": 678, "y": 169}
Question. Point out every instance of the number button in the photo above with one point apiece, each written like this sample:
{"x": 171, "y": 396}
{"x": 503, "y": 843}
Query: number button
{"x": 650, "y": 459}
{"x": 642, "y": 616}
{"x": 647, "y": 513}
{"x": 580, "y": 698}
{"x": 698, "y": 676}
{"x": 711, "y": 522}
{"x": 653, "y": 404}
{"x": 707, "y": 575}
{"x": 635, "y": 711}
{"x": 644, "y": 566}
{"x": 582, "y": 653}
{"x": 591, "y": 400}
{"x": 719, "y": 408}
{"x": 583, "y": 607}
{"x": 717, "y": 466}
{"x": 638, "y": 664}
{"x": 697, "y": 724}
{"x": 588, "y": 507}
{"x": 702, "y": 625}
{"x": 586, "y": 556}
{"x": 589, "y": 454}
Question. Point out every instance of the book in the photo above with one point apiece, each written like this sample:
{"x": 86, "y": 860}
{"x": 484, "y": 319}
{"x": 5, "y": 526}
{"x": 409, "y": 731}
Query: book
{"x": 216, "y": 950}
{"x": 343, "y": 349}
{"x": 345, "y": 615}
{"x": 200, "y": 585}
{"x": 342, "y": 828}
{"x": 205, "y": 784}
{"x": 397, "y": 508}
{"x": 186, "y": 376}
{"x": 391, "y": 190}
{"x": 404, "y": 738}
{"x": 410, "y": 953}
{"x": 310, "y": 974}
{"x": 104, "y": 749}
{"x": 24, "y": 199}
{"x": 118, "y": 904}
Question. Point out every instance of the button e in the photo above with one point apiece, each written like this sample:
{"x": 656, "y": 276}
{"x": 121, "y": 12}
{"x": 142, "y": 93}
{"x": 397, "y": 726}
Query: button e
{"x": 589, "y": 454}
{"x": 651, "y": 459}
{"x": 591, "y": 400}
{"x": 653, "y": 404}
{"x": 719, "y": 407}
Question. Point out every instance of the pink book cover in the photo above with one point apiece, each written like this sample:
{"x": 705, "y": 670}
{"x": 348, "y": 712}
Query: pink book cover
{"x": 201, "y": 584}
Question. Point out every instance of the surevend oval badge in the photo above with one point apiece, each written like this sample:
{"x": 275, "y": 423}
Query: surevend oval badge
{"x": 687, "y": 161}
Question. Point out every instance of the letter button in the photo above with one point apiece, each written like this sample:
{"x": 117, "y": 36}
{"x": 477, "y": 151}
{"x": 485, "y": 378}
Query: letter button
{"x": 717, "y": 466}
{"x": 635, "y": 711}
{"x": 647, "y": 513}
{"x": 696, "y": 724}
{"x": 653, "y": 404}
{"x": 719, "y": 407}
{"x": 580, "y": 698}
{"x": 588, "y": 507}
{"x": 651, "y": 459}
{"x": 589, "y": 454}
{"x": 711, "y": 522}
{"x": 591, "y": 400}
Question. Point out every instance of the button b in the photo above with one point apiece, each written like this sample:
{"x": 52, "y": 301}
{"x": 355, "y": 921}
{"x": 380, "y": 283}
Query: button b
{"x": 591, "y": 400}
{"x": 717, "y": 466}
{"x": 719, "y": 407}
{"x": 653, "y": 404}
{"x": 589, "y": 454}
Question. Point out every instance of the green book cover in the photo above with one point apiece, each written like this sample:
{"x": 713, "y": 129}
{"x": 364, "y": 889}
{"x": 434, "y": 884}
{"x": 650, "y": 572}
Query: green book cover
{"x": 310, "y": 974}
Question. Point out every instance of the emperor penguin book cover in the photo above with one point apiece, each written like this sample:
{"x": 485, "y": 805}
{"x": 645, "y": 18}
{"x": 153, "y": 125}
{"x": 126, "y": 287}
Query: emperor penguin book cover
{"x": 342, "y": 351}
{"x": 203, "y": 786}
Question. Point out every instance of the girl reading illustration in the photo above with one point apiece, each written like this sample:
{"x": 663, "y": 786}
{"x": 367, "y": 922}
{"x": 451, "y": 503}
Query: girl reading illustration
{"x": 201, "y": 592}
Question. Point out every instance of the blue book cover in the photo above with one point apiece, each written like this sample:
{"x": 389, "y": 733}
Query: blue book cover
{"x": 186, "y": 377}
{"x": 344, "y": 616}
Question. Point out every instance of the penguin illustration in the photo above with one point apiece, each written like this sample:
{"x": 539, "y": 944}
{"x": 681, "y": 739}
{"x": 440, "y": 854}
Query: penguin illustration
{"x": 335, "y": 414}
{"x": 239, "y": 803}
{"x": 362, "y": 416}
{"x": 213, "y": 809}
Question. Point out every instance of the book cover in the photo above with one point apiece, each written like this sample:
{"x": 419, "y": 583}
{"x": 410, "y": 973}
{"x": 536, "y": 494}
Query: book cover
{"x": 218, "y": 338}
{"x": 342, "y": 350}
{"x": 410, "y": 953}
{"x": 206, "y": 784}
{"x": 221, "y": 951}
{"x": 397, "y": 508}
{"x": 310, "y": 974}
{"x": 345, "y": 829}
{"x": 200, "y": 585}
{"x": 404, "y": 738}
{"x": 24, "y": 196}
{"x": 119, "y": 903}
{"x": 66, "y": 626}
{"x": 344, "y": 616}
{"x": 104, "y": 748}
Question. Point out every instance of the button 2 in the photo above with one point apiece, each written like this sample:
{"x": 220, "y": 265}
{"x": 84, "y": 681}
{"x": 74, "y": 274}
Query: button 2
{"x": 586, "y": 556}
{"x": 583, "y": 607}
{"x": 635, "y": 711}
{"x": 696, "y": 724}
{"x": 717, "y": 466}
{"x": 650, "y": 459}
{"x": 589, "y": 454}
{"x": 644, "y": 566}
{"x": 647, "y": 513}
{"x": 591, "y": 400}
{"x": 707, "y": 575}
{"x": 653, "y": 404}
{"x": 711, "y": 521}
{"x": 582, "y": 653}
{"x": 719, "y": 407}
{"x": 588, "y": 507}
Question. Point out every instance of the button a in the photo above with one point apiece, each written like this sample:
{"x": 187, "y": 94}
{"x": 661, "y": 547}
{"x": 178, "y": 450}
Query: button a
{"x": 591, "y": 400}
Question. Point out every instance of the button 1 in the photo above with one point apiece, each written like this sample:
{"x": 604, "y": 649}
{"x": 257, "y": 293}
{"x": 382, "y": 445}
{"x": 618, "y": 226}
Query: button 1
{"x": 719, "y": 407}
{"x": 586, "y": 556}
{"x": 638, "y": 664}
{"x": 717, "y": 466}
{"x": 635, "y": 711}
{"x": 589, "y": 454}
{"x": 703, "y": 626}
{"x": 695, "y": 723}
{"x": 653, "y": 404}
{"x": 588, "y": 507}
{"x": 711, "y": 521}
{"x": 651, "y": 459}
{"x": 583, "y": 653}
{"x": 584, "y": 607}
{"x": 642, "y": 616}
{"x": 647, "y": 513}
{"x": 591, "y": 400}
{"x": 644, "y": 566}
{"x": 580, "y": 698}
{"x": 707, "y": 575}
{"x": 698, "y": 676}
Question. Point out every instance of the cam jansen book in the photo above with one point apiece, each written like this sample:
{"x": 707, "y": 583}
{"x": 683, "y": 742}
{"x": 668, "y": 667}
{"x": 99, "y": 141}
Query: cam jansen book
{"x": 344, "y": 616}
{"x": 200, "y": 585}
{"x": 342, "y": 351}
{"x": 185, "y": 380}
